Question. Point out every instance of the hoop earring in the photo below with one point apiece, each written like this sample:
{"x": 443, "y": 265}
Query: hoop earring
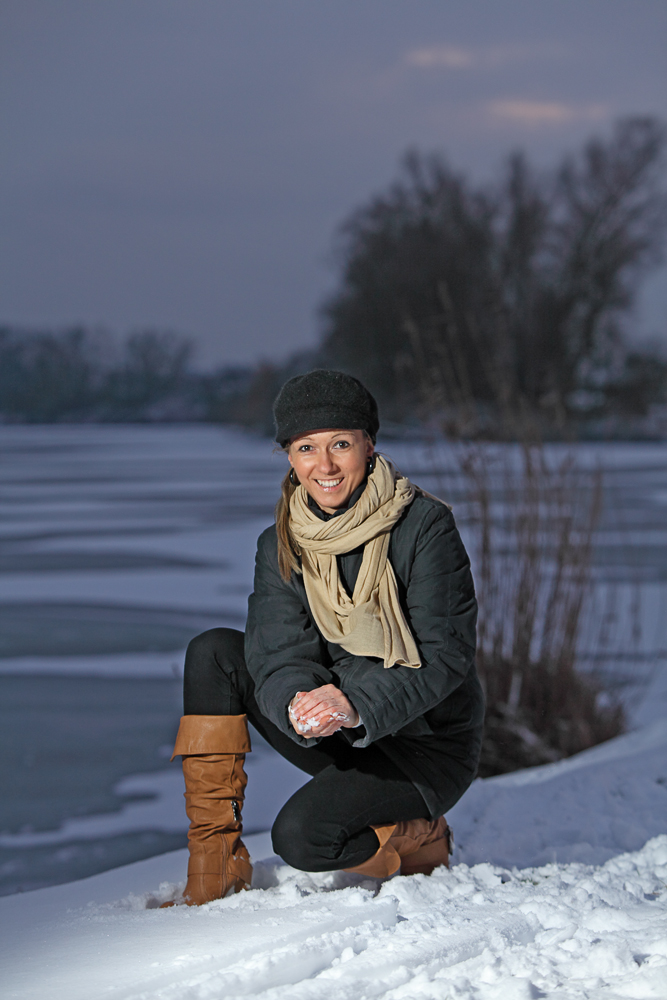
{"x": 371, "y": 464}
{"x": 292, "y": 478}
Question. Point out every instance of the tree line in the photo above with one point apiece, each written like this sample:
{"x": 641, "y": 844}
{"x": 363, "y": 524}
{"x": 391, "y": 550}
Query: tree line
{"x": 484, "y": 309}
{"x": 72, "y": 375}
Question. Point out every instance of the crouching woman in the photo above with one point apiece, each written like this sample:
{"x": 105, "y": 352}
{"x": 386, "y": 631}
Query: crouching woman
{"x": 357, "y": 664}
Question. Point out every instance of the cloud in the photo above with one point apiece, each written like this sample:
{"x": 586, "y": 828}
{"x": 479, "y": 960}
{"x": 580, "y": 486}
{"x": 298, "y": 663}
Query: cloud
{"x": 533, "y": 113}
{"x": 455, "y": 57}
{"x": 440, "y": 56}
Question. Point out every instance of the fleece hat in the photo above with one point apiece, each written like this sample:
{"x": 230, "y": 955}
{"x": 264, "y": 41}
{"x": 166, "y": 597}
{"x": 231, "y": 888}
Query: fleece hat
{"x": 321, "y": 400}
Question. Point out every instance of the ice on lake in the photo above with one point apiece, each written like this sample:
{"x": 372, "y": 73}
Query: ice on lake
{"x": 117, "y": 545}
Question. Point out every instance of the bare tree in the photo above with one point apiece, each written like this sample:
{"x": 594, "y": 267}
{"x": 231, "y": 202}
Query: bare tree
{"x": 519, "y": 290}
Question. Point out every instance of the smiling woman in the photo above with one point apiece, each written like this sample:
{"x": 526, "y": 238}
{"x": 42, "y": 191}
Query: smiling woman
{"x": 357, "y": 664}
{"x": 331, "y": 465}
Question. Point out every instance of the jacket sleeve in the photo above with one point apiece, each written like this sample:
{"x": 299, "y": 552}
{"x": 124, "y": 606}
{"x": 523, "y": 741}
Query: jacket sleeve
{"x": 283, "y": 650}
{"x": 442, "y": 613}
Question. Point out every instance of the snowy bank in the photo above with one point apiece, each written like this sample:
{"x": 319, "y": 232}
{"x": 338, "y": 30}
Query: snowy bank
{"x": 482, "y": 932}
{"x": 587, "y": 808}
{"x": 488, "y": 929}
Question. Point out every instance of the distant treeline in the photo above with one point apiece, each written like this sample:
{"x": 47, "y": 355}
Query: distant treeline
{"x": 478, "y": 310}
{"x": 74, "y": 376}
{"x": 64, "y": 377}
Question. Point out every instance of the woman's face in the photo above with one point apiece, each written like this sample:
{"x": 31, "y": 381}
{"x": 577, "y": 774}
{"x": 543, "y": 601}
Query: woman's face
{"x": 330, "y": 465}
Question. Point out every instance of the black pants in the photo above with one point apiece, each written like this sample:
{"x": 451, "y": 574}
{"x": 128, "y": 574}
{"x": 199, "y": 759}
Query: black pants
{"x": 325, "y": 826}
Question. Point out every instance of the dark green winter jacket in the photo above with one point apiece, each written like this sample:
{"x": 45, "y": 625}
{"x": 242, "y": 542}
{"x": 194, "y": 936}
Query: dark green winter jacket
{"x": 428, "y": 720}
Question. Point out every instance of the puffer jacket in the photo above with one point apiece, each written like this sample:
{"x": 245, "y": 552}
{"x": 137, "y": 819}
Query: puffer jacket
{"x": 428, "y": 720}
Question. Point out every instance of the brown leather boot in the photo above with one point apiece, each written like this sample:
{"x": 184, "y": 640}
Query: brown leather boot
{"x": 416, "y": 846}
{"x": 213, "y": 749}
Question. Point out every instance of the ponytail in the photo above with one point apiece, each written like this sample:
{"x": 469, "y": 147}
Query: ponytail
{"x": 288, "y": 550}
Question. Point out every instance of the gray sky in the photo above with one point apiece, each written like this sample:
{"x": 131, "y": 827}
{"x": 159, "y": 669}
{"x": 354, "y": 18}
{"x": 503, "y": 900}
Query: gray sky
{"x": 184, "y": 164}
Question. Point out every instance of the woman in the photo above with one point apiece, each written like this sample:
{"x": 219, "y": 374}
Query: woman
{"x": 357, "y": 663}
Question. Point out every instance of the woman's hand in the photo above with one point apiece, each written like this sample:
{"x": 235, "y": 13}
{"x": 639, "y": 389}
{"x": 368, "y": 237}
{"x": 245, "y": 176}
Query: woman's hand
{"x": 322, "y": 712}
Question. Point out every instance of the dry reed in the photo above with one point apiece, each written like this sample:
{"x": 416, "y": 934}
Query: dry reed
{"x": 530, "y": 519}
{"x": 531, "y": 522}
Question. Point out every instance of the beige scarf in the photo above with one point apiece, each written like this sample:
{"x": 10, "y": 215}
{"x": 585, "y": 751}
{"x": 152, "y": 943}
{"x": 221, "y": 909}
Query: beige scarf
{"x": 371, "y": 622}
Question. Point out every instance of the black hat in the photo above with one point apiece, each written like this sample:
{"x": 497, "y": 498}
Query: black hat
{"x": 321, "y": 400}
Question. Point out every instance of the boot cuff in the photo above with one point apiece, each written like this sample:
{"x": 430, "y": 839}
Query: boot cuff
{"x": 205, "y": 734}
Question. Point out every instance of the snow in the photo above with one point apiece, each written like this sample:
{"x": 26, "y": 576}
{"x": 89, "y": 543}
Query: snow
{"x": 541, "y": 902}
{"x": 559, "y": 883}
{"x": 587, "y": 808}
{"x": 483, "y": 932}
{"x": 144, "y": 665}
{"x": 199, "y": 589}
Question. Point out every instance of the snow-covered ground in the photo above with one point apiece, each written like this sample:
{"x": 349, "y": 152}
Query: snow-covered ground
{"x": 490, "y": 929}
{"x": 116, "y": 545}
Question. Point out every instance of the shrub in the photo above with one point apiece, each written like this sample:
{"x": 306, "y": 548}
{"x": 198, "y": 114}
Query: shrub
{"x": 531, "y": 519}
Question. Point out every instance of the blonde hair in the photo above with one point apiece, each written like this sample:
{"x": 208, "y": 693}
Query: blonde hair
{"x": 289, "y": 552}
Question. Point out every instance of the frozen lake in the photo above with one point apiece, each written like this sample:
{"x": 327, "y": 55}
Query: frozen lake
{"x": 117, "y": 545}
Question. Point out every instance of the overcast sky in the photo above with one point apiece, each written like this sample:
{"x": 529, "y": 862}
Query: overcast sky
{"x": 184, "y": 164}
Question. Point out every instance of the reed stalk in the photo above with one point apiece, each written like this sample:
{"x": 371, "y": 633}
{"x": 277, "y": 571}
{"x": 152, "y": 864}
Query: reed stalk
{"x": 529, "y": 516}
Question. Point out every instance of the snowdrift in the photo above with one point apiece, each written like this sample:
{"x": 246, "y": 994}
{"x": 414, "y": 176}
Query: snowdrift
{"x": 489, "y": 929}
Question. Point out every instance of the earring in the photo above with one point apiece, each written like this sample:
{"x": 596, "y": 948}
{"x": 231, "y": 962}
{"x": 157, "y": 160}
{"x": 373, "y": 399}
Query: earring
{"x": 371, "y": 464}
{"x": 293, "y": 479}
